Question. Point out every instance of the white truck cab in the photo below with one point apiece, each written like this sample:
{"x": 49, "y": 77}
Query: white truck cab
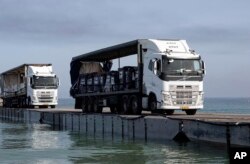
{"x": 173, "y": 76}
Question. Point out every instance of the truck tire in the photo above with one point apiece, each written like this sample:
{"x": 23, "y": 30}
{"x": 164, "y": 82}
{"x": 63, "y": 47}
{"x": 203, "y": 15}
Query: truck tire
{"x": 84, "y": 106}
{"x": 26, "y": 102}
{"x": 191, "y": 111}
{"x": 169, "y": 112}
{"x": 134, "y": 105}
{"x": 29, "y": 103}
{"x": 96, "y": 107}
{"x": 89, "y": 104}
{"x": 152, "y": 103}
{"x": 78, "y": 103}
{"x": 124, "y": 105}
{"x": 114, "y": 109}
{"x": 23, "y": 100}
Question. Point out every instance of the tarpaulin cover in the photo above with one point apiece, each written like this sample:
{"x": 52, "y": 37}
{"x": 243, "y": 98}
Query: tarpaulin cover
{"x": 90, "y": 67}
{"x": 102, "y": 55}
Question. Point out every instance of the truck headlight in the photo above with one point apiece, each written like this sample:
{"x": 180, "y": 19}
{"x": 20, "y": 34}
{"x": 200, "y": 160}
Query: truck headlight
{"x": 34, "y": 98}
{"x": 200, "y": 99}
{"x": 167, "y": 99}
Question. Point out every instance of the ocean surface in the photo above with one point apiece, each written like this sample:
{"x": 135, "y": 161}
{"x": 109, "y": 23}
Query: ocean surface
{"x": 38, "y": 144}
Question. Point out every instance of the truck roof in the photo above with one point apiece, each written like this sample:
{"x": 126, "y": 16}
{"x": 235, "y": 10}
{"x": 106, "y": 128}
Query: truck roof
{"x": 122, "y": 50}
{"x": 109, "y": 53}
{"x": 20, "y": 68}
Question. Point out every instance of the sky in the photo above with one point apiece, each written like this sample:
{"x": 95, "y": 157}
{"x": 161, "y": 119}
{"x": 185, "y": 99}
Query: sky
{"x": 54, "y": 31}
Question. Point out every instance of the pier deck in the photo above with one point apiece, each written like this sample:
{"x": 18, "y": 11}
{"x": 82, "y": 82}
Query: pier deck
{"x": 207, "y": 117}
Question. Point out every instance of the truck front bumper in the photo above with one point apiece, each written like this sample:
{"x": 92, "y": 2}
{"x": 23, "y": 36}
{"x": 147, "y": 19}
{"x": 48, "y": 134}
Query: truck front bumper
{"x": 182, "y": 107}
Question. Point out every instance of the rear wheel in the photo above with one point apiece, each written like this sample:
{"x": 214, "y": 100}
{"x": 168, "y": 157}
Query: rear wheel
{"x": 134, "y": 105}
{"x": 78, "y": 103}
{"x": 191, "y": 111}
{"x": 84, "y": 106}
{"x": 96, "y": 107}
{"x": 113, "y": 109}
{"x": 89, "y": 105}
{"x": 124, "y": 105}
{"x": 169, "y": 112}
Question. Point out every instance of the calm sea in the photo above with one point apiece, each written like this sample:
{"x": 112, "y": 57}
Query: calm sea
{"x": 36, "y": 143}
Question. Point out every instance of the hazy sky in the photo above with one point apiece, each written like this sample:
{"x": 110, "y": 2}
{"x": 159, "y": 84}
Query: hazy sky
{"x": 54, "y": 31}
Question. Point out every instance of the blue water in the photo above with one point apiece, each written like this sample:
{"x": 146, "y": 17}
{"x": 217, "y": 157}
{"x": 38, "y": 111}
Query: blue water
{"x": 227, "y": 105}
{"x": 37, "y": 143}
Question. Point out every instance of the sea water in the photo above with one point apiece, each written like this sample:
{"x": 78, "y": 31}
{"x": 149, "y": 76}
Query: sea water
{"x": 38, "y": 143}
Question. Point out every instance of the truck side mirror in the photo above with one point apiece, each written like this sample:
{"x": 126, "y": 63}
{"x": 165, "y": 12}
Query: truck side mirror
{"x": 31, "y": 81}
{"x": 157, "y": 67}
{"x": 58, "y": 82}
{"x": 203, "y": 67}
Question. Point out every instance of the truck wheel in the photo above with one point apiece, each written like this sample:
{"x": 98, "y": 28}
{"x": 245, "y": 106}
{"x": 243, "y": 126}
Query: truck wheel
{"x": 19, "y": 103}
{"x": 53, "y": 106}
{"x": 191, "y": 111}
{"x": 134, "y": 105}
{"x": 124, "y": 105}
{"x": 96, "y": 107}
{"x": 84, "y": 106}
{"x": 113, "y": 109}
{"x": 78, "y": 103}
{"x": 29, "y": 103}
{"x": 89, "y": 105}
{"x": 152, "y": 103}
{"x": 23, "y": 102}
{"x": 169, "y": 112}
{"x": 26, "y": 102}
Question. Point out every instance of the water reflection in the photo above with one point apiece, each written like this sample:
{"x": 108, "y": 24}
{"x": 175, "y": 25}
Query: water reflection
{"x": 35, "y": 143}
{"x": 105, "y": 150}
{"x": 42, "y": 137}
{"x": 14, "y": 136}
{"x": 99, "y": 150}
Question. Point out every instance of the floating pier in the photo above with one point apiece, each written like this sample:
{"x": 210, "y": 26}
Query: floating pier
{"x": 219, "y": 128}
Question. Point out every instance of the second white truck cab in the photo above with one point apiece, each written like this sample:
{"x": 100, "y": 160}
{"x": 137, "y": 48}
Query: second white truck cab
{"x": 30, "y": 85}
{"x": 42, "y": 86}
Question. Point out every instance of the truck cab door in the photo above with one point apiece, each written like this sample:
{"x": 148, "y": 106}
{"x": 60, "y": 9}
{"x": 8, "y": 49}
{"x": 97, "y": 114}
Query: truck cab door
{"x": 154, "y": 71}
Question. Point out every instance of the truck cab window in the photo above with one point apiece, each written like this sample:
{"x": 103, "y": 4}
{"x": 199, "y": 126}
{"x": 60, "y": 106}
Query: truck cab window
{"x": 158, "y": 66}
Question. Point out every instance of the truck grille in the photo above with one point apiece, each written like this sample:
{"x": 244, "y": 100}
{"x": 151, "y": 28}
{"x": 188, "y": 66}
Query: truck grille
{"x": 45, "y": 99}
{"x": 45, "y": 96}
{"x": 184, "y": 95}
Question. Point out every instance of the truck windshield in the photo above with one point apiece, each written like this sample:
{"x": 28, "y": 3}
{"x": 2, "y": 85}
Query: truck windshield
{"x": 45, "y": 82}
{"x": 181, "y": 67}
